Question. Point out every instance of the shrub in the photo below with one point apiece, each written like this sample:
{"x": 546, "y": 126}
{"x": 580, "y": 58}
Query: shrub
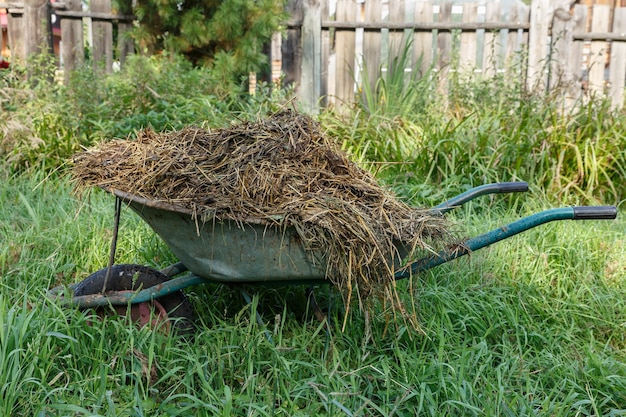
{"x": 484, "y": 131}
{"x": 44, "y": 122}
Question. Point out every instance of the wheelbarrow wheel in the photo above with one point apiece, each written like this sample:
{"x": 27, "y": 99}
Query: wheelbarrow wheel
{"x": 172, "y": 310}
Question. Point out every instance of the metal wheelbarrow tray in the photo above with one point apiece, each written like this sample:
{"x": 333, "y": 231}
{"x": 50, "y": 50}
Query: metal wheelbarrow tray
{"x": 233, "y": 253}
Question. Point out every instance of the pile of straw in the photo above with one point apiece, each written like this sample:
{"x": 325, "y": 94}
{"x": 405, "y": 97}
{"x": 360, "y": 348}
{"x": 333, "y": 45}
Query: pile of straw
{"x": 280, "y": 171}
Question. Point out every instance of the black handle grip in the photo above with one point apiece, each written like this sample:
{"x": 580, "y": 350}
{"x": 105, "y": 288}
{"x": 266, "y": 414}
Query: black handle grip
{"x": 512, "y": 187}
{"x": 595, "y": 213}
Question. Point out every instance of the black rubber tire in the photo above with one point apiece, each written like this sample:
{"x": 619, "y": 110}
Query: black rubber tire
{"x": 134, "y": 277}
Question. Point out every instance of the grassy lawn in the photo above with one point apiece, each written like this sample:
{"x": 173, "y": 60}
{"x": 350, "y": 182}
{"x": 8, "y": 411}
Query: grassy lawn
{"x": 534, "y": 325}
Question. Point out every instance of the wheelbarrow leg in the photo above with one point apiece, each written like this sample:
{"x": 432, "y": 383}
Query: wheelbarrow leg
{"x": 259, "y": 319}
{"x": 317, "y": 311}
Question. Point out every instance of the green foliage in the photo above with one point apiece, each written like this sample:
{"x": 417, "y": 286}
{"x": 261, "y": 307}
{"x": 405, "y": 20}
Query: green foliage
{"x": 45, "y": 122}
{"x": 228, "y": 34}
{"x": 484, "y": 131}
{"x": 532, "y": 326}
{"x": 395, "y": 93}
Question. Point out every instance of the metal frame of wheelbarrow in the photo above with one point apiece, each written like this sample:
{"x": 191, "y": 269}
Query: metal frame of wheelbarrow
{"x": 423, "y": 264}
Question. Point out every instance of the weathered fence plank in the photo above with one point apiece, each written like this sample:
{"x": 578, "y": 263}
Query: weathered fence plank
{"x": 598, "y": 49}
{"x": 125, "y": 44}
{"x": 291, "y": 46}
{"x": 566, "y": 61}
{"x": 15, "y": 22}
{"x": 345, "y": 54}
{"x": 572, "y": 56}
{"x": 468, "y": 44}
{"x": 492, "y": 45}
{"x": 311, "y": 59}
{"x": 35, "y": 34}
{"x": 102, "y": 41}
{"x": 395, "y": 38}
{"x": 372, "y": 43}
{"x": 72, "y": 50}
{"x": 541, "y": 17}
{"x": 423, "y": 40}
{"x": 325, "y": 47}
{"x": 617, "y": 77}
{"x": 517, "y": 12}
{"x": 444, "y": 38}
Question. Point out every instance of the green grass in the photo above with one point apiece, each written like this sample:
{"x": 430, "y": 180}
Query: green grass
{"x": 531, "y": 326}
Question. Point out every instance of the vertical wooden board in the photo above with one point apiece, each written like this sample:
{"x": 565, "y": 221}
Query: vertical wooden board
{"x": 456, "y": 17}
{"x": 3, "y": 44}
{"x": 599, "y": 49}
{"x": 467, "y": 53}
{"x": 574, "y": 60}
{"x": 492, "y": 42}
{"x": 617, "y": 68}
{"x": 311, "y": 56}
{"x": 444, "y": 37}
{"x": 522, "y": 35}
{"x": 15, "y": 23}
{"x": 102, "y": 37}
{"x": 37, "y": 29}
{"x": 423, "y": 40}
{"x": 562, "y": 39}
{"x": 125, "y": 43}
{"x": 73, "y": 51}
{"x": 276, "y": 57}
{"x": 540, "y": 21}
{"x": 512, "y": 44}
{"x": 480, "y": 38}
{"x": 445, "y": 54}
{"x": 325, "y": 50}
{"x": 566, "y": 58}
{"x": 372, "y": 41}
{"x": 345, "y": 49}
{"x": 291, "y": 47}
{"x": 396, "y": 15}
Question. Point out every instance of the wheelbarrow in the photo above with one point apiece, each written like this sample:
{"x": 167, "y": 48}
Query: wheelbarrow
{"x": 234, "y": 253}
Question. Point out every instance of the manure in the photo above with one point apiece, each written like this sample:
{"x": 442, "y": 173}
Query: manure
{"x": 280, "y": 171}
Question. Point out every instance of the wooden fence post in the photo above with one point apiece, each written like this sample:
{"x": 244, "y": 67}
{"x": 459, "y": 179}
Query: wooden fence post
{"x": 125, "y": 44}
{"x": 102, "y": 37}
{"x": 73, "y": 50}
{"x": 345, "y": 55}
{"x": 37, "y": 31}
{"x": 291, "y": 47}
{"x": 566, "y": 65}
{"x": 311, "y": 56}
{"x": 423, "y": 41}
{"x": 618, "y": 60}
{"x": 541, "y": 18}
{"x": 310, "y": 84}
{"x": 15, "y": 21}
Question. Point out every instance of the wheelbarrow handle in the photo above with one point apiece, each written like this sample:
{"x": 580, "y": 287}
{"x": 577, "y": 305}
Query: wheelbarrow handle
{"x": 504, "y": 232}
{"x": 496, "y": 188}
{"x": 595, "y": 213}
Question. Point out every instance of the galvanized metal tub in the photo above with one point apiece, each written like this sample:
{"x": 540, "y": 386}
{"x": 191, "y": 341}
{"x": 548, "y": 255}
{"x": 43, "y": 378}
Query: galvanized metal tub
{"x": 226, "y": 251}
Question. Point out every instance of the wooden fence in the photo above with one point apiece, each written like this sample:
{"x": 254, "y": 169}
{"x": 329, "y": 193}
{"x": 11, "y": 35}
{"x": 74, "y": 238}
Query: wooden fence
{"x": 550, "y": 44}
{"x": 357, "y": 40}
{"x": 61, "y": 26}
{"x": 330, "y": 46}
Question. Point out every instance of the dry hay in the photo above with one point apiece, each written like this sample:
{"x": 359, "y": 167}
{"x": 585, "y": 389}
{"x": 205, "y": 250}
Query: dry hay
{"x": 281, "y": 171}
